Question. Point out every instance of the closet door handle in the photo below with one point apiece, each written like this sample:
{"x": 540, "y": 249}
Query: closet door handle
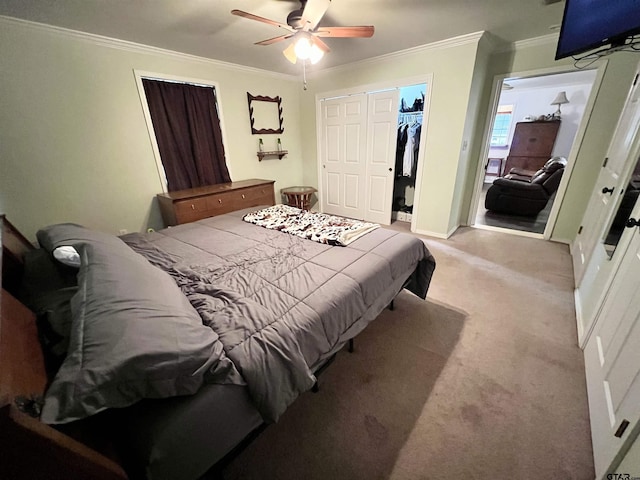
{"x": 632, "y": 222}
{"x": 623, "y": 426}
{"x": 391, "y": 169}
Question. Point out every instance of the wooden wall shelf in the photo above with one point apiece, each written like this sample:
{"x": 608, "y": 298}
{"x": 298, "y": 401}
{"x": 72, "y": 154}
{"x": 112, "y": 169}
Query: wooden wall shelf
{"x": 276, "y": 153}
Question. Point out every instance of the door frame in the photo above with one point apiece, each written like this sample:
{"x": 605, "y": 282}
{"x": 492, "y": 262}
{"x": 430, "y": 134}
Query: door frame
{"x": 600, "y": 67}
{"x": 372, "y": 88}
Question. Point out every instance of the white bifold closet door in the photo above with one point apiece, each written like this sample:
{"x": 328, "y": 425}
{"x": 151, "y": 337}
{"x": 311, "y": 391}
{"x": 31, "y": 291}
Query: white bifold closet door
{"x": 344, "y": 128}
{"x": 358, "y": 155}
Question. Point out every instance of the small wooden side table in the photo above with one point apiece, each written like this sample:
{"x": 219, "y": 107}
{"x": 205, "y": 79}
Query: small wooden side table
{"x": 299, "y": 197}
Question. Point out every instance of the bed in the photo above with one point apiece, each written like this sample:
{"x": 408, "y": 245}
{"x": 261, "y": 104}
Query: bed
{"x": 233, "y": 322}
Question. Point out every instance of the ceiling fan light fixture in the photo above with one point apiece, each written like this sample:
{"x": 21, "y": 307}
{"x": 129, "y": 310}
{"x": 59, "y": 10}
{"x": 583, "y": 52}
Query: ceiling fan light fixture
{"x": 303, "y": 47}
{"x": 290, "y": 53}
{"x": 316, "y": 54}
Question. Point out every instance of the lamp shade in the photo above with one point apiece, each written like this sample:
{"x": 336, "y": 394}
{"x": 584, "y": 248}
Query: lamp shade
{"x": 303, "y": 47}
{"x": 290, "y": 53}
{"x": 561, "y": 99}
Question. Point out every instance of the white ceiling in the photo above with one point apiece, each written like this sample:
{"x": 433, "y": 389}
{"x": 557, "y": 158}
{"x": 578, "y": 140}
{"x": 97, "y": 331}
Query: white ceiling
{"x": 206, "y": 28}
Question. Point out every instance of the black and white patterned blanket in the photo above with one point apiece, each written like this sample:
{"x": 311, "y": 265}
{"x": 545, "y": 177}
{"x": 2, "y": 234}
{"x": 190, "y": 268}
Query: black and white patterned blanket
{"x": 319, "y": 227}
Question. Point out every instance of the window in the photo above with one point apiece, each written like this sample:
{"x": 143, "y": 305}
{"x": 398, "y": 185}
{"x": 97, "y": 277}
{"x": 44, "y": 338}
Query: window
{"x": 188, "y": 134}
{"x": 502, "y": 126}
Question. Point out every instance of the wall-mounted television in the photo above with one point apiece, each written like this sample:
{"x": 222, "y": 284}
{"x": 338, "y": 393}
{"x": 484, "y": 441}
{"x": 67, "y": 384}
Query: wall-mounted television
{"x": 588, "y": 24}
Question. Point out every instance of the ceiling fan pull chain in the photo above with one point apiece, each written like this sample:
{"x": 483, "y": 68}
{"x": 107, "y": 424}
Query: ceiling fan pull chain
{"x": 304, "y": 74}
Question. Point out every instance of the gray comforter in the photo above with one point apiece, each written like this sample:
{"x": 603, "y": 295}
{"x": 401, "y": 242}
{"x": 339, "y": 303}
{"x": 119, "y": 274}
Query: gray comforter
{"x": 281, "y": 305}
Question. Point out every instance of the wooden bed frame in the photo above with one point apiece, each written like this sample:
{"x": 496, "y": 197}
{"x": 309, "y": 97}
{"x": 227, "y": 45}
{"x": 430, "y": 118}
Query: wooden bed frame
{"x": 32, "y": 449}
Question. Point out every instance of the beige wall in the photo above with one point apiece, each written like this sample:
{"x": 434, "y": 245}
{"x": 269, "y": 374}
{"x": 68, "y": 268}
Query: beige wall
{"x": 620, "y": 68}
{"x": 75, "y": 145}
{"x": 74, "y": 142}
{"x": 452, "y": 66}
{"x": 460, "y": 97}
{"x": 474, "y": 136}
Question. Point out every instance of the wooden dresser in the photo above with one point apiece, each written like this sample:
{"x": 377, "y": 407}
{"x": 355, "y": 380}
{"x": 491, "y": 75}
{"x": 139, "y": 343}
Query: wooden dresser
{"x": 531, "y": 145}
{"x": 186, "y": 206}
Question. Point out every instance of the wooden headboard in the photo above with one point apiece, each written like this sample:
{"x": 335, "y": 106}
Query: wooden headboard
{"x": 14, "y": 246}
{"x": 32, "y": 450}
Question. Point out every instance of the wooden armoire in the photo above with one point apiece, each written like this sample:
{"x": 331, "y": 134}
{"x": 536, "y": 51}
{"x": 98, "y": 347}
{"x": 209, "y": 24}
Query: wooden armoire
{"x": 531, "y": 145}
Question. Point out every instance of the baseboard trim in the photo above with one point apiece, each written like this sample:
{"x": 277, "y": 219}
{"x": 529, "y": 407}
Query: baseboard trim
{"x": 443, "y": 236}
{"x": 576, "y": 301}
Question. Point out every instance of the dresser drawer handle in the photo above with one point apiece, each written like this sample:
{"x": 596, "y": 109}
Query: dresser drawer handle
{"x": 193, "y": 207}
{"x": 243, "y": 196}
{"x": 219, "y": 200}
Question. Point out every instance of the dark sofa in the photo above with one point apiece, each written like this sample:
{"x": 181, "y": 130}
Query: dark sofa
{"x": 521, "y": 194}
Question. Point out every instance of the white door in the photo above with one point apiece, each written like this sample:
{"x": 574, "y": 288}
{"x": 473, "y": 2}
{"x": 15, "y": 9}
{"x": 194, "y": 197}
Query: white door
{"x": 612, "y": 362}
{"x": 343, "y": 156}
{"x": 382, "y": 130}
{"x": 591, "y": 261}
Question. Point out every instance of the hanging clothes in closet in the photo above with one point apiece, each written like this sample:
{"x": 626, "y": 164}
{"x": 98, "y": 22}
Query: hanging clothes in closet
{"x": 407, "y": 154}
{"x": 408, "y": 145}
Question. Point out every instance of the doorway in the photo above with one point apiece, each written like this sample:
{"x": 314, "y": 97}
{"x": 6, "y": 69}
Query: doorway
{"x": 536, "y": 119}
{"x": 358, "y": 149}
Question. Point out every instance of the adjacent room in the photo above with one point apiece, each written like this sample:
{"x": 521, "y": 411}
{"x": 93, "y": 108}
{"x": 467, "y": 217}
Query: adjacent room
{"x": 530, "y": 129}
{"x": 319, "y": 239}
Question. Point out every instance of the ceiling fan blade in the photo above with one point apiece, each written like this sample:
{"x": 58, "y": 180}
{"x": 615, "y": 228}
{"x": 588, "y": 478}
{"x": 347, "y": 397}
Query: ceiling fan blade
{"x": 313, "y": 12}
{"x": 321, "y": 45}
{"x": 257, "y": 18}
{"x": 345, "y": 32}
{"x": 274, "y": 39}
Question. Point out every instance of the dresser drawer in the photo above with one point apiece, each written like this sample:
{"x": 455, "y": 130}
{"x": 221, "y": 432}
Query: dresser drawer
{"x": 261, "y": 195}
{"x": 221, "y": 203}
{"x": 191, "y": 210}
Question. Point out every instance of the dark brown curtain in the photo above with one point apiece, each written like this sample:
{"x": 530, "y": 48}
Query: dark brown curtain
{"x": 187, "y": 126}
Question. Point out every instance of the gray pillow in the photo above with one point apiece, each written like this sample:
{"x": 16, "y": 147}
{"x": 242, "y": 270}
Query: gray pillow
{"x": 47, "y": 288}
{"x": 63, "y": 234}
{"x": 134, "y": 335}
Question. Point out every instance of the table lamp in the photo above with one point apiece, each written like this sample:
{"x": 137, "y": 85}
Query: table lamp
{"x": 560, "y": 99}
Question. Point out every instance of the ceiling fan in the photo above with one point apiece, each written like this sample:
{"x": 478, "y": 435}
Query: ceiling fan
{"x": 302, "y": 25}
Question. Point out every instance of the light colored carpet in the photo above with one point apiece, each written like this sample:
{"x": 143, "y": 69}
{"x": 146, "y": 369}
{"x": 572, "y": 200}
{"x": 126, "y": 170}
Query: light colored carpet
{"x": 482, "y": 381}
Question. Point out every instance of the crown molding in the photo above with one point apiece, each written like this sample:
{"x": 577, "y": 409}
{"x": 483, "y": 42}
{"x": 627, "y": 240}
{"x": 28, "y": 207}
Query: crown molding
{"x": 133, "y": 47}
{"x": 544, "y": 40}
{"x": 439, "y": 45}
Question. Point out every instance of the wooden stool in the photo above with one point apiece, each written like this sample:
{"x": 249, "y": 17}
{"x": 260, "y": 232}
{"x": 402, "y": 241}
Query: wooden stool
{"x": 299, "y": 197}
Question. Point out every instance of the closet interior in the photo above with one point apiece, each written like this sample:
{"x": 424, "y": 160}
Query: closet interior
{"x": 410, "y": 117}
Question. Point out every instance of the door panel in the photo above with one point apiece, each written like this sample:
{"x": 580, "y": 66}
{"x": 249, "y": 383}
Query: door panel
{"x": 353, "y": 138}
{"x": 344, "y": 124}
{"x": 612, "y": 361}
{"x": 352, "y": 191}
{"x": 332, "y": 192}
{"x": 381, "y": 149}
{"x": 377, "y": 203}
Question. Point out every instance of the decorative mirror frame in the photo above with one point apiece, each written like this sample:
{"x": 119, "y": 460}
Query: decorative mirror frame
{"x": 265, "y": 131}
